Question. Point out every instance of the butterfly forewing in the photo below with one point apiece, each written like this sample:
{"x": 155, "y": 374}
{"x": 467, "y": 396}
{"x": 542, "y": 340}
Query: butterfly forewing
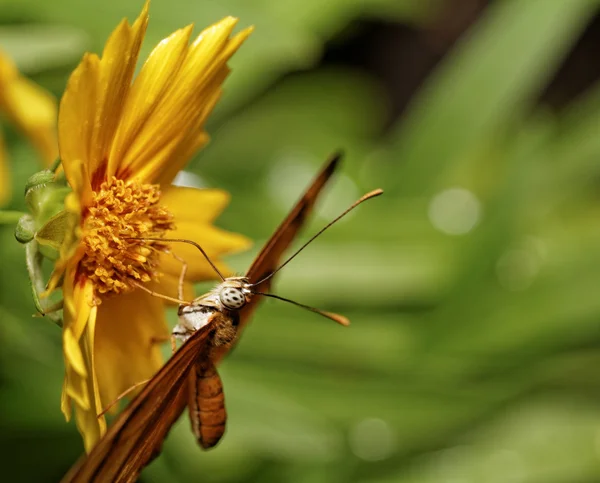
{"x": 269, "y": 258}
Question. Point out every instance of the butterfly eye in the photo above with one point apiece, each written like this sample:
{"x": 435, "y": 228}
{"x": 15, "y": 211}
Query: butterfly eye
{"x": 232, "y": 298}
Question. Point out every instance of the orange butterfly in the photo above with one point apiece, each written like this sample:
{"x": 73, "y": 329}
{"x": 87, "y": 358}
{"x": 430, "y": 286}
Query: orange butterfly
{"x": 208, "y": 327}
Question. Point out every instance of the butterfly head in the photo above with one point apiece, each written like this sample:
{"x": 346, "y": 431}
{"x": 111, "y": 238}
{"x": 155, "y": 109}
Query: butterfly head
{"x": 234, "y": 293}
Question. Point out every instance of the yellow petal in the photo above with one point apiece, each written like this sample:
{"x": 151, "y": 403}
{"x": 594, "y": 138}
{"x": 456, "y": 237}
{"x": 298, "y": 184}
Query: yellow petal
{"x": 129, "y": 331}
{"x": 116, "y": 72}
{"x": 195, "y": 205}
{"x": 214, "y": 241}
{"x": 76, "y": 389}
{"x": 82, "y": 389}
{"x": 154, "y": 79}
{"x": 8, "y": 69}
{"x": 34, "y": 112}
{"x": 75, "y": 120}
{"x": 194, "y": 210}
{"x": 90, "y": 110}
{"x": 78, "y": 310}
{"x": 89, "y": 424}
{"x": 178, "y": 115}
{"x": 73, "y": 352}
{"x": 78, "y": 295}
{"x": 30, "y": 108}
{"x": 66, "y": 405}
{"x": 165, "y": 174}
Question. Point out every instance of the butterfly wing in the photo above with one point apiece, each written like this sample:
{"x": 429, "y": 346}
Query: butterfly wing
{"x": 135, "y": 437}
{"x": 269, "y": 257}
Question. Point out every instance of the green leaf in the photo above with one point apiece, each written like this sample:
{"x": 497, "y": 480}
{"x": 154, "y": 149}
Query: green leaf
{"x": 488, "y": 82}
{"x": 551, "y": 440}
{"x": 35, "y": 48}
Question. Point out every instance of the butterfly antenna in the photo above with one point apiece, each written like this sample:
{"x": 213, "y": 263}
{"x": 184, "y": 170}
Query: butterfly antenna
{"x": 190, "y": 242}
{"x": 368, "y": 196}
{"x": 340, "y": 319}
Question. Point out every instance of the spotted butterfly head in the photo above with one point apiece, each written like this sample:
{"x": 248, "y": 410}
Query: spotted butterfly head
{"x": 233, "y": 293}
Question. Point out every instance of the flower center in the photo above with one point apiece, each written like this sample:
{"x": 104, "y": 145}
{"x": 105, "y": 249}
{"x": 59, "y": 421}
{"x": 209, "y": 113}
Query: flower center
{"x": 122, "y": 211}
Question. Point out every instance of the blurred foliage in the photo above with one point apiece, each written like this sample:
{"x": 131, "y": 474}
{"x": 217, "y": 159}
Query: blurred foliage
{"x": 474, "y": 348}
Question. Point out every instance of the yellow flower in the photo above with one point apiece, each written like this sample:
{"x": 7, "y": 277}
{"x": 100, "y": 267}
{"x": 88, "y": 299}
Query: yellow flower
{"x": 30, "y": 108}
{"x": 121, "y": 144}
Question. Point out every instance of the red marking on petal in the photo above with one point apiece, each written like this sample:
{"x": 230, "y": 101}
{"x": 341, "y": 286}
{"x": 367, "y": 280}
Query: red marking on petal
{"x": 80, "y": 277}
{"x": 99, "y": 176}
{"x": 124, "y": 174}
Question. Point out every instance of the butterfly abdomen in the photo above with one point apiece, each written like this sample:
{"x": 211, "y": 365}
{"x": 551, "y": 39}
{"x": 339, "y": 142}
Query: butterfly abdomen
{"x": 207, "y": 404}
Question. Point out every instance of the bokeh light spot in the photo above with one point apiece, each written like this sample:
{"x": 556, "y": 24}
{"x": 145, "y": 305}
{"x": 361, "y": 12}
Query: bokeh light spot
{"x": 517, "y": 267}
{"x": 455, "y": 211}
{"x": 372, "y": 439}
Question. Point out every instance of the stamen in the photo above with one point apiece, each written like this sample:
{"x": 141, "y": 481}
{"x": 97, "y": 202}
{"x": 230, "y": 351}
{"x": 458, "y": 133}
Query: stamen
{"x": 122, "y": 212}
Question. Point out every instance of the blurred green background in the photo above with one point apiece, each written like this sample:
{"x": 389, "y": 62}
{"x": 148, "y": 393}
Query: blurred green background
{"x": 472, "y": 285}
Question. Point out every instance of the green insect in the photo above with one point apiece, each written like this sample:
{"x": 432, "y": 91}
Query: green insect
{"x": 42, "y": 231}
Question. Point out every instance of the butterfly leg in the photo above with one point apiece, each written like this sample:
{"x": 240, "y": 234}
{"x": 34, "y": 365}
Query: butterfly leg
{"x": 157, "y": 294}
{"x": 184, "y": 267}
